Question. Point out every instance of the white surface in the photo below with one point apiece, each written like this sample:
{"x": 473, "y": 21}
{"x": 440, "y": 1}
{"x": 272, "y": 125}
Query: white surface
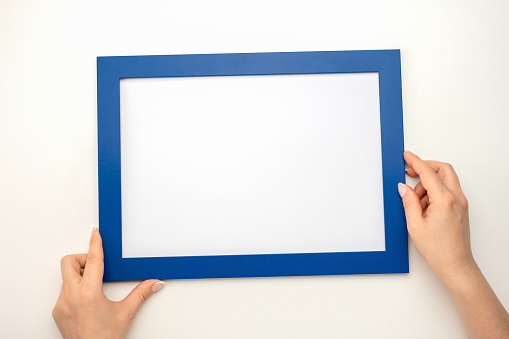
{"x": 251, "y": 165}
{"x": 455, "y": 103}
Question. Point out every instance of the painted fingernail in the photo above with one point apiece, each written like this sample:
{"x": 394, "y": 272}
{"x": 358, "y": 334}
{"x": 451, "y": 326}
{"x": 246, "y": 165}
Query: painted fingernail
{"x": 401, "y": 190}
{"x": 157, "y": 286}
{"x": 93, "y": 231}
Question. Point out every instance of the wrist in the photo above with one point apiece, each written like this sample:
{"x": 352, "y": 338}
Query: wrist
{"x": 459, "y": 274}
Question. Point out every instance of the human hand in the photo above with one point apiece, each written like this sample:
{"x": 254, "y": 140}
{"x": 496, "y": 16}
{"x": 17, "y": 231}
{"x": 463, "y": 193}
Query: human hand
{"x": 442, "y": 234}
{"x": 437, "y": 220}
{"x": 82, "y": 309}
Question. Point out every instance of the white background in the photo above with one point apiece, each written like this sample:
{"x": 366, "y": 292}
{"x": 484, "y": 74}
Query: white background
{"x": 251, "y": 165}
{"x": 455, "y": 85}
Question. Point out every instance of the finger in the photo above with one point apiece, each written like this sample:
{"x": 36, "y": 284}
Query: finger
{"x": 71, "y": 266}
{"x": 420, "y": 190}
{"x": 411, "y": 172}
{"x": 429, "y": 178}
{"x": 447, "y": 173}
{"x": 412, "y": 205}
{"x": 140, "y": 294}
{"x": 425, "y": 202}
{"x": 94, "y": 269}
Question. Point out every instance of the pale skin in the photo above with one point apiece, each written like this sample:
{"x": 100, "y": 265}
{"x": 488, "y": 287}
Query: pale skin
{"x": 442, "y": 237}
{"x": 82, "y": 309}
{"x": 437, "y": 220}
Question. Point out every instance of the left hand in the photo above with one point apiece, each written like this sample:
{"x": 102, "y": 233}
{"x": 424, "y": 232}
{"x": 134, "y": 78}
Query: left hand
{"x": 82, "y": 309}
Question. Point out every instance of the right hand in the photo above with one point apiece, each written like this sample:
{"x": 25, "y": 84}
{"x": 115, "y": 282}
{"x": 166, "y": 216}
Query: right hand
{"x": 437, "y": 216}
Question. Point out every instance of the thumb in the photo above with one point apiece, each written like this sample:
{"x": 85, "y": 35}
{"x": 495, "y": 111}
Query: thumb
{"x": 412, "y": 205}
{"x": 141, "y": 293}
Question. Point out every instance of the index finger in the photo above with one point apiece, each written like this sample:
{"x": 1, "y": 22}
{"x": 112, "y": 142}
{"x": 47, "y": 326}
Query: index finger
{"x": 429, "y": 178}
{"x": 448, "y": 175}
{"x": 94, "y": 268}
{"x": 444, "y": 170}
{"x": 71, "y": 266}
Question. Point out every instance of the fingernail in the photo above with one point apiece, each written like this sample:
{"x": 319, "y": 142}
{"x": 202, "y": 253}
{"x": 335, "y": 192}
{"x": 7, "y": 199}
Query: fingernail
{"x": 157, "y": 286}
{"x": 93, "y": 231}
{"x": 408, "y": 151}
{"x": 401, "y": 190}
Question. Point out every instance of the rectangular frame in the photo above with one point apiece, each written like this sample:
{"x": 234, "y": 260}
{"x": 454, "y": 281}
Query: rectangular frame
{"x": 109, "y": 72}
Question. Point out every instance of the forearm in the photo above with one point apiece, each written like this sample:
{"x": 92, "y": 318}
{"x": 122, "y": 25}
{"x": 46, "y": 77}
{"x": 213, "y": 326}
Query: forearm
{"x": 481, "y": 311}
{"x": 436, "y": 211}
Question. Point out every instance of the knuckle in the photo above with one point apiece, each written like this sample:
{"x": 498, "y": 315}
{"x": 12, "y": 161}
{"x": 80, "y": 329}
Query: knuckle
{"x": 452, "y": 201}
{"x": 55, "y": 313}
{"x": 143, "y": 295}
{"x": 464, "y": 202}
{"x": 448, "y": 166}
{"x": 87, "y": 296}
{"x": 65, "y": 260}
{"x": 449, "y": 199}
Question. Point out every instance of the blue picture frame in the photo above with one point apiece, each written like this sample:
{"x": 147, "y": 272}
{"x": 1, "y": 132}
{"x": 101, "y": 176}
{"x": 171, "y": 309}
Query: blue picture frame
{"x": 109, "y": 72}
